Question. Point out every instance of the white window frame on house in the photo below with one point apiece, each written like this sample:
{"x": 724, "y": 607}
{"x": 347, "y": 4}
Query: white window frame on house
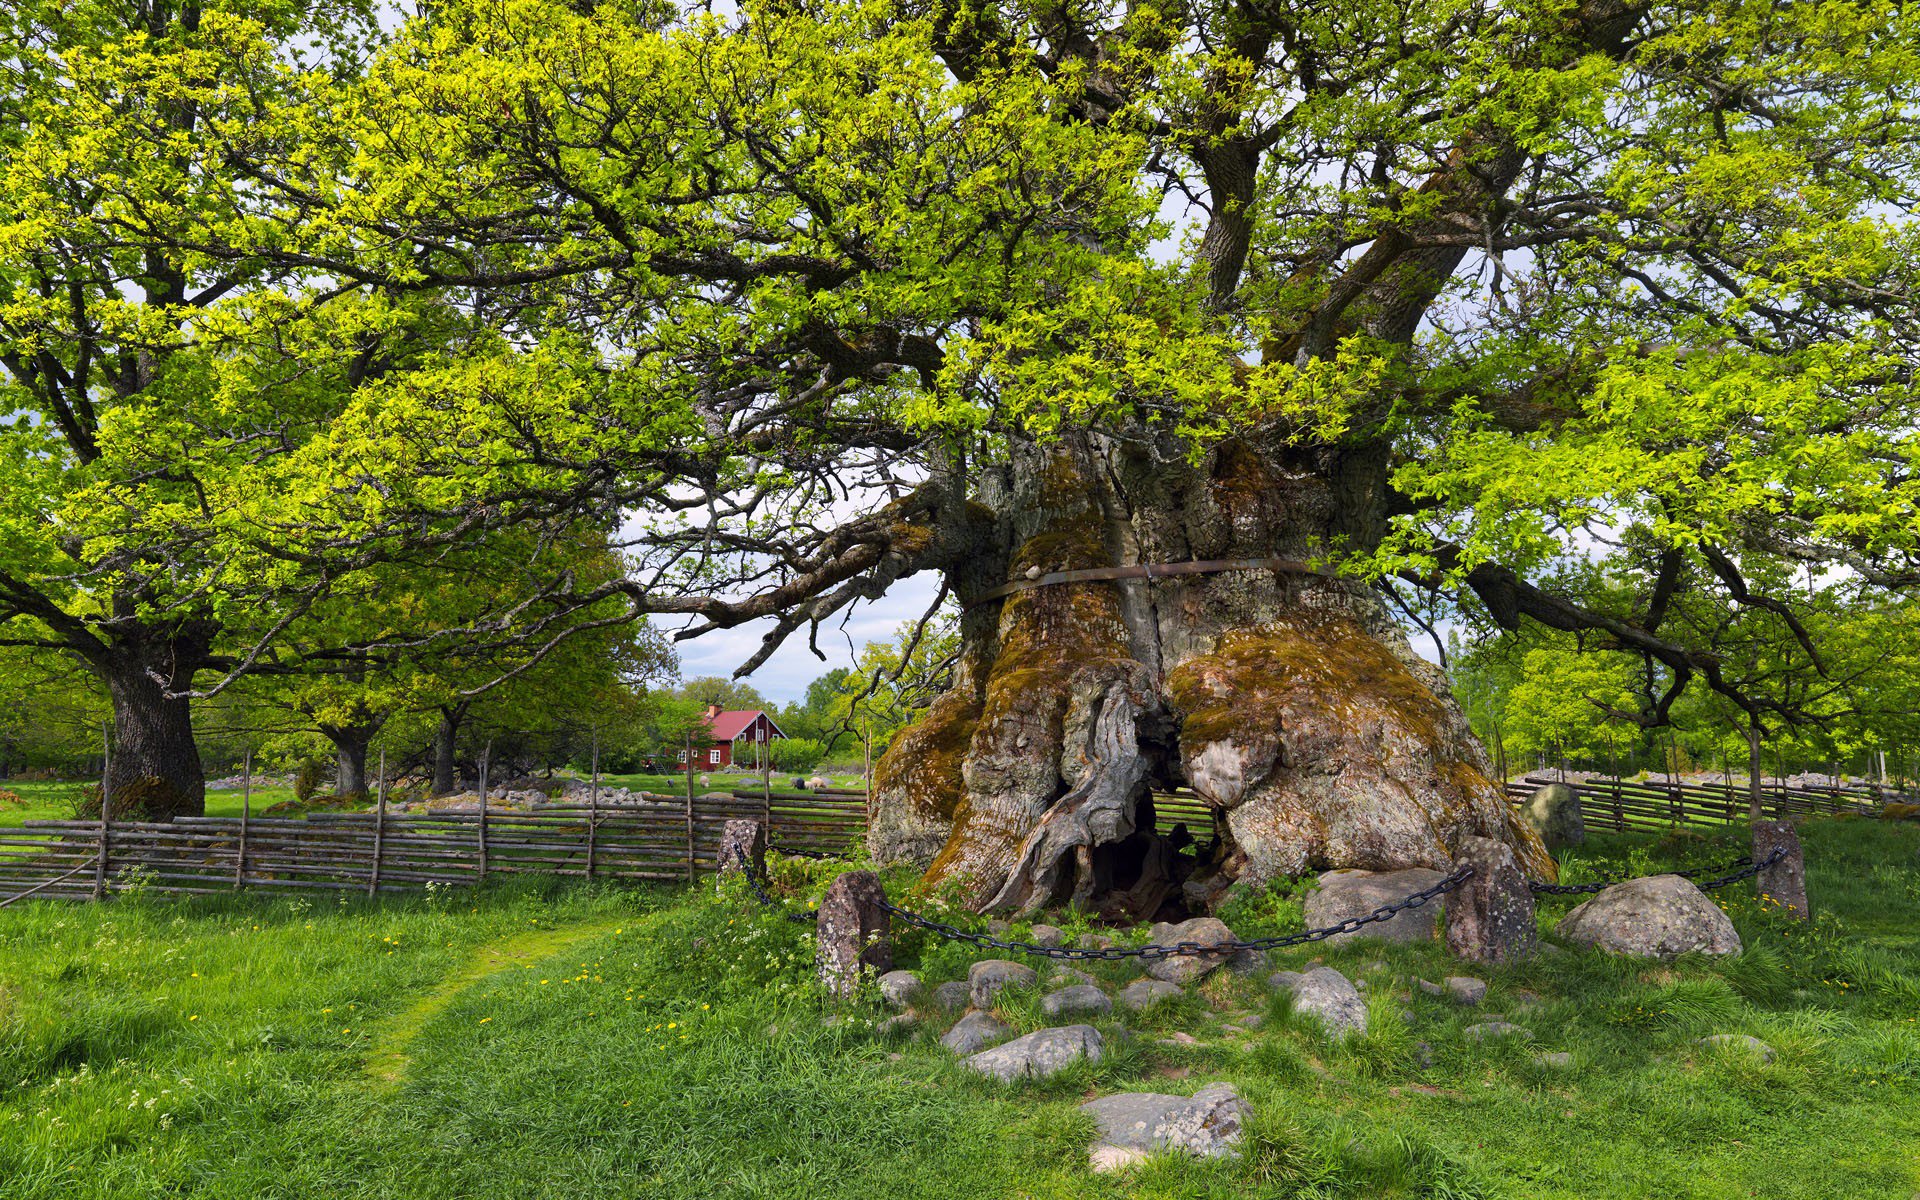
{"x": 713, "y": 757}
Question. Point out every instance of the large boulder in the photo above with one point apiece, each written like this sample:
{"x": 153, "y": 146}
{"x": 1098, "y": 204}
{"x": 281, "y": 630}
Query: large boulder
{"x": 1659, "y": 916}
{"x": 1554, "y": 813}
{"x": 1185, "y": 968}
{"x": 1345, "y": 894}
{"x": 1039, "y": 1054}
{"x": 1134, "y": 1124}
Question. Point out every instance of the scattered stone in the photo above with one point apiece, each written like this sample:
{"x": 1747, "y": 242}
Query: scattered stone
{"x": 1095, "y": 941}
{"x": 1254, "y": 1020}
{"x": 1039, "y": 1054}
{"x": 1657, "y": 916}
{"x": 1325, "y": 994}
{"x": 1554, "y": 813}
{"x": 1284, "y": 981}
{"x": 1249, "y": 962}
{"x": 898, "y": 1023}
{"x": 852, "y": 930}
{"x": 1558, "y": 1059}
{"x": 1186, "y": 968}
{"x": 1785, "y": 882}
{"x": 1495, "y": 1029}
{"x": 998, "y": 927}
{"x": 1080, "y": 998}
{"x": 1423, "y": 1056}
{"x": 1429, "y": 986}
{"x": 1178, "y": 1038}
{"x": 901, "y": 989}
{"x": 1739, "y": 1041}
{"x": 1068, "y": 976}
{"x": 953, "y": 994}
{"x": 1134, "y": 1124}
{"x": 973, "y": 1032}
{"x": 1467, "y": 990}
{"x": 986, "y": 979}
{"x": 1345, "y": 894}
{"x": 1145, "y": 993}
{"x": 1359, "y": 985}
{"x": 1490, "y": 915}
{"x": 1048, "y": 935}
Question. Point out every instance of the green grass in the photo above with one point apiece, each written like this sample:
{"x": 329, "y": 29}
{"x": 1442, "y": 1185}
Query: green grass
{"x": 573, "y": 1041}
{"x": 55, "y": 800}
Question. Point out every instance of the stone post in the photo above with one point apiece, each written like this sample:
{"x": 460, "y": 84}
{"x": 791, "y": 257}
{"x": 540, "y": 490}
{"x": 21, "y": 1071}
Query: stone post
{"x": 738, "y": 838}
{"x": 1490, "y": 916}
{"x": 1786, "y": 880}
{"x": 852, "y": 932}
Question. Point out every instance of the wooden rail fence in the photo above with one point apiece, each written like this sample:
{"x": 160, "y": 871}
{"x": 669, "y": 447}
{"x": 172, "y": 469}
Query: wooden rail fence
{"x": 1622, "y": 805}
{"x": 668, "y": 840}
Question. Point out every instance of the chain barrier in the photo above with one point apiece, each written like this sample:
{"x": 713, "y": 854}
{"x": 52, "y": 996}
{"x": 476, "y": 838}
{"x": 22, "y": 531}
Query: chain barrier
{"x": 1742, "y": 868}
{"x": 1746, "y": 869}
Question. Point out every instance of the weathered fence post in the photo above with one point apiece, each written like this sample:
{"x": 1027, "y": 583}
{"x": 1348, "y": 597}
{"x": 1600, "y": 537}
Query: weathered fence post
{"x": 106, "y": 806}
{"x": 379, "y": 824}
{"x": 593, "y": 802}
{"x": 246, "y": 818}
{"x": 853, "y": 932}
{"x": 740, "y": 839}
{"x": 485, "y": 756}
{"x": 1786, "y": 880}
{"x": 1490, "y": 916}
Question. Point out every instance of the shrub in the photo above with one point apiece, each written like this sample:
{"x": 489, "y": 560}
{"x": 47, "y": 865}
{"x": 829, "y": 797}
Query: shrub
{"x": 307, "y": 781}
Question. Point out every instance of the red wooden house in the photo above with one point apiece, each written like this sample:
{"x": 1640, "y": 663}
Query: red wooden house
{"x": 738, "y": 736}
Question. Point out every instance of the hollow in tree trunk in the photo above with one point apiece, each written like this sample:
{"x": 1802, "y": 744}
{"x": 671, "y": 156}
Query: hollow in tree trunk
{"x": 1288, "y": 701}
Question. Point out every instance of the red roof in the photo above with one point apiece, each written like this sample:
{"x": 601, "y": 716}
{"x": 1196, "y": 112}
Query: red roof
{"x": 730, "y": 725}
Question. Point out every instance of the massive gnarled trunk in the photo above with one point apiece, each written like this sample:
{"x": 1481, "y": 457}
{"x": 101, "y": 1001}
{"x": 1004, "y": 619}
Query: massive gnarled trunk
{"x": 155, "y": 773}
{"x": 1289, "y": 701}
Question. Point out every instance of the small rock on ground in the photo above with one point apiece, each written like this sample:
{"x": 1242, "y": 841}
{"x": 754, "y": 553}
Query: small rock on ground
{"x": 901, "y": 989}
{"x": 1134, "y": 1124}
{"x": 986, "y": 979}
{"x": 1068, "y": 976}
{"x": 1080, "y": 998}
{"x": 1283, "y": 981}
{"x": 974, "y": 1032}
{"x": 1186, "y": 968}
{"x": 1739, "y": 1041}
{"x": 1495, "y": 1029}
{"x": 898, "y": 1023}
{"x": 1145, "y": 993}
{"x": 953, "y": 994}
{"x": 1465, "y": 989}
{"x": 1039, "y": 1054}
{"x": 1326, "y": 994}
{"x": 1554, "y": 1058}
{"x": 1656, "y": 916}
{"x": 1048, "y": 935}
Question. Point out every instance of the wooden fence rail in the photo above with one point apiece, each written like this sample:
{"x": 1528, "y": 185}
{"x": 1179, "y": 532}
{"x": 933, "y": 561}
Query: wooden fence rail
{"x": 1622, "y": 804}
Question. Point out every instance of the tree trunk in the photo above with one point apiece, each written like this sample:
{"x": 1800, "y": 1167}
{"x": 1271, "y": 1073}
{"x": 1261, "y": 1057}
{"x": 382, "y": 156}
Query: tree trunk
{"x": 1288, "y": 701}
{"x": 446, "y": 770}
{"x": 350, "y": 745}
{"x": 155, "y": 774}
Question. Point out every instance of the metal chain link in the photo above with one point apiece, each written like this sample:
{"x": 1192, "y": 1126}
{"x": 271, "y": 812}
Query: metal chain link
{"x": 760, "y": 893}
{"x": 1745, "y": 868}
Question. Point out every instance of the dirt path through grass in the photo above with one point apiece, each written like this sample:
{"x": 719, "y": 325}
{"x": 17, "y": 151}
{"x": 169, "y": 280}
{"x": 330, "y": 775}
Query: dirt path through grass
{"x": 387, "y": 1062}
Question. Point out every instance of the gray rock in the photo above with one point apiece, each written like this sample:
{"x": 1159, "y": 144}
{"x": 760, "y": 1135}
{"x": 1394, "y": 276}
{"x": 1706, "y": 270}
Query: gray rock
{"x": 1739, "y": 1042}
{"x": 953, "y": 994}
{"x": 1325, "y": 994}
{"x": 986, "y": 979}
{"x": 1185, "y": 968}
{"x": 1284, "y": 981}
{"x": 898, "y": 1023}
{"x": 1145, "y": 993}
{"x": 901, "y": 989}
{"x": 1344, "y": 894}
{"x": 1135, "y": 1124}
{"x": 1659, "y": 916}
{"x": 974, "y": 1032}
{"x": 1489, "y": 916}
{"x": 1429, "y": 986}
{"x": 1495, "y": 1029}
{"x": 1068, "y": 976}
{"x": 1557, "y": 1059}
{"x": 1422, "y": 1056}
{"x": 1039, "y": 1054}
{"x": 1080, "y": 998}
{"x": 1047, "y": 935}
{"x": 1254, "y": 1020}
{"x": 1465, "y": 989}
{"x": 1554, "y": 813}
{"x": 1095, "y": 941}
{"x": 1249, "y": 962}
{"x": 851, "y": 932}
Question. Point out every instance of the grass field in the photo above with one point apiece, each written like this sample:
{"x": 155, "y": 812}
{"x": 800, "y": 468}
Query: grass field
{"x": 588, "y": 1041}
{"x": 54, "y": 801}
